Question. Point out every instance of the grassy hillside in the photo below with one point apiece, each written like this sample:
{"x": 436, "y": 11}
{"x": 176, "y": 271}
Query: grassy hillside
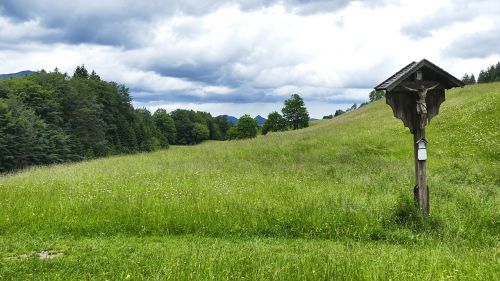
{"x": 333, "y": 201}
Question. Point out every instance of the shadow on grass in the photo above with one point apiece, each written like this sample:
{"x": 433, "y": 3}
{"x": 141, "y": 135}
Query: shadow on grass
{"x": 406, "y": 224}
{"x": 408, "y": 216}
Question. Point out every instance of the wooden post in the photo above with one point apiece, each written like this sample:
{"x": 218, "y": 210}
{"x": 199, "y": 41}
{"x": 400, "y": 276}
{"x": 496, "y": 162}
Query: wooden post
{"x": 420, "y": 191}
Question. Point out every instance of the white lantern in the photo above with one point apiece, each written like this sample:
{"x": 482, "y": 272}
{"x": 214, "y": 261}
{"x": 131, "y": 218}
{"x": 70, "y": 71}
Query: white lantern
{"x": 422, "y": 149}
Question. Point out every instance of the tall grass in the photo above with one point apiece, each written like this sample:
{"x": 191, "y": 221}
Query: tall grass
{"x": 202, "y": 258}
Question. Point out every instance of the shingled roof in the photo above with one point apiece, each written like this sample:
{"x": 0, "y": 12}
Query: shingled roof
{"x": 411, "y": 68}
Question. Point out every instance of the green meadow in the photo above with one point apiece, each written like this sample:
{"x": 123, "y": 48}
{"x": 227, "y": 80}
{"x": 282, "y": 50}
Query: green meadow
{"x": 330, "y": 202}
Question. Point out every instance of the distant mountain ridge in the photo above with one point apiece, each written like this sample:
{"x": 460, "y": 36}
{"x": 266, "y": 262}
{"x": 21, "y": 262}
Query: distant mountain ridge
{"x": 232, "y": 119}
{"x": 260, "y": 120}
{"x": 17, "y": 74}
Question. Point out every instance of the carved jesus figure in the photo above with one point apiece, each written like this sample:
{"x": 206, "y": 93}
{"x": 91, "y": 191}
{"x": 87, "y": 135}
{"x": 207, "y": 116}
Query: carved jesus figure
{"x": 421, "y": 105}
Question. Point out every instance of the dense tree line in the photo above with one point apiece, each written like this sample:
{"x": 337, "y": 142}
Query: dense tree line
{"x": 491, "y": 74}
{"x": 51, "y": 117}
{"x": 469, "y": 79}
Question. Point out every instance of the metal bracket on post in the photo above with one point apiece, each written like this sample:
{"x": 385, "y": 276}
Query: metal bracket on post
{"x": 415, "y": 196}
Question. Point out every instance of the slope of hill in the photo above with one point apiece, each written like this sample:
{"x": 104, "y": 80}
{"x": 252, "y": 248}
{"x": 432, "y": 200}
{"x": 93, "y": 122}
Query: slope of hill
{"x": 333, "y": 201}
{"x": 17, "y": 74}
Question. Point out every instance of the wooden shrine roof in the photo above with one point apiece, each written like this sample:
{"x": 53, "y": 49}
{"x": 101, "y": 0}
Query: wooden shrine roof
{"x": 445, "y": 78}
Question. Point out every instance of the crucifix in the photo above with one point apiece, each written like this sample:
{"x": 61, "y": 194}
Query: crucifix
{"x": 415, "y": 94}
{"x": 421, "y": 103}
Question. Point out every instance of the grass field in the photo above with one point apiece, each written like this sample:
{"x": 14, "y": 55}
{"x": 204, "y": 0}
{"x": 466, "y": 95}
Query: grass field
{"x": 333, "y": 201}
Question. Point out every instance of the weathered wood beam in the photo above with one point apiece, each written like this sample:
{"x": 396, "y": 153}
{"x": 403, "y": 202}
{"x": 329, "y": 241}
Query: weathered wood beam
{"x": 421, "y": 190}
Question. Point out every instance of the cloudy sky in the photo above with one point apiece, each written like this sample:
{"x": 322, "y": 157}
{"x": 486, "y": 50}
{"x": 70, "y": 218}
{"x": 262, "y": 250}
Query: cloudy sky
{"x": 228, "y": 58}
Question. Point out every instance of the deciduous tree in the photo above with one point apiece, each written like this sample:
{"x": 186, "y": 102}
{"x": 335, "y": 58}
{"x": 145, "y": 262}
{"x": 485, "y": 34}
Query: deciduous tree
{"x": 295, "y": 112}
{"x": 274, "y": 123}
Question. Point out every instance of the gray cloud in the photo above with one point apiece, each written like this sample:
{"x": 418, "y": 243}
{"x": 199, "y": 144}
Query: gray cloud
{"x": 313, "y": 7}
{"x": 118, "y": 23}
{"x": 479, "y": 45}
{"x": 28, "y": 9}
{"x": 243, "y": 95}
{"x": 127, "y": 23}
{"x": 443, "y": 18}
{"x": 460, "y": 11}
{"x": 207, "y": 73}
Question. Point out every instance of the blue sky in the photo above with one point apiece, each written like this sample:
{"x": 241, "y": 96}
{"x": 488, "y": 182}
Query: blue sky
{"x": 228, "y": 57}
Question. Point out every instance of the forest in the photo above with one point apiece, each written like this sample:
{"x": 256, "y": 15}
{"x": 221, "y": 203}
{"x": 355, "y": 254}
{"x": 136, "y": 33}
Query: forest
{"x": 51, "y": 117}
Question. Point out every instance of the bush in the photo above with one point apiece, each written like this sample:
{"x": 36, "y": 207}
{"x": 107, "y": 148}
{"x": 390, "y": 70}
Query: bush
{"x": 246, "y": 128}
{"x": 274, "y": 123}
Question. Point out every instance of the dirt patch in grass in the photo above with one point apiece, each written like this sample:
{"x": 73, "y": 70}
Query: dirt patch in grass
{"x": 43, "y": 255}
